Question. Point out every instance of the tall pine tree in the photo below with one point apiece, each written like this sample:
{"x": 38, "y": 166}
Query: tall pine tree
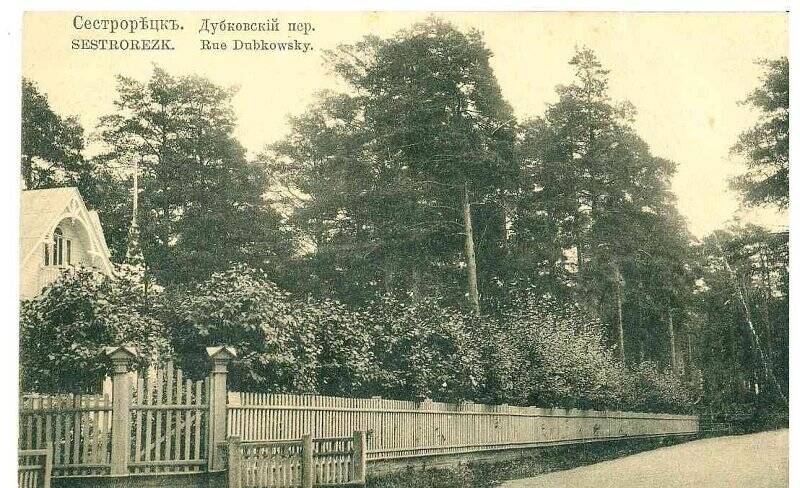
{"x": 200, "y": 206}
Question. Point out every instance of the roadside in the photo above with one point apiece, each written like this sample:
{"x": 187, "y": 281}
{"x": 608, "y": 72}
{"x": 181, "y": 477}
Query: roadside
{"x": 539, "y": 461}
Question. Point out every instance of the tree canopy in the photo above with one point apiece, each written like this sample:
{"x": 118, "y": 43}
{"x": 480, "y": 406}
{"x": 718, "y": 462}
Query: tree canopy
{"x": 386, "y": 164}
{"x": 594, "y": 211}
{"x": 52, "y": 145}
{"x": 201, "y": 201}
{"x": 765, "y": 146}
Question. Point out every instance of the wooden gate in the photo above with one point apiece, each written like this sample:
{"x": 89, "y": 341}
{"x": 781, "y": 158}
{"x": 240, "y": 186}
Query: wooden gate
{"x": 301, "y": 463}
{"x": 35, "y": 467}
{"x": 78, "y": 427}
{"x": 169, "y": 423}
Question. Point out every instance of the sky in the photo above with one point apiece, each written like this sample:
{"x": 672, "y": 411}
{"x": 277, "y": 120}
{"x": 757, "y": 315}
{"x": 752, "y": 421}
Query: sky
{"x": 684, "y": 72}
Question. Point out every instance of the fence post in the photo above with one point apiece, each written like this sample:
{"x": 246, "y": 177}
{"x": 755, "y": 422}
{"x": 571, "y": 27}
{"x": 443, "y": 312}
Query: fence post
{"x": 308, "y": 461}
{"x": 217, "y": 399}
{"x": 234, "y": 462}
{"x": 48, "y": 465}
{"x": 121, "y": 358}
{"x": 360, "y": 456}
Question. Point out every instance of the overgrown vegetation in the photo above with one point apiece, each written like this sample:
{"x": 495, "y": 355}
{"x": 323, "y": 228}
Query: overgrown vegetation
{"x": 534, "y": 353}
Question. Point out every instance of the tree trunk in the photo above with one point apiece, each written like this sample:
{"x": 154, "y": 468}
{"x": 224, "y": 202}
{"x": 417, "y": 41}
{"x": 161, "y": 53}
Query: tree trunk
{"x": 618, "y": 296}
{"x": 765, "y": 362}
{"x": 767, "y": 294}
{"x": 689, "y": 352}
{"x": 388, "y": 275}
{"x": 673, "y": 360}
{"x": 469, "y": 250}
{"x": 505, "y": 224}
{"x": 640, "y": 321}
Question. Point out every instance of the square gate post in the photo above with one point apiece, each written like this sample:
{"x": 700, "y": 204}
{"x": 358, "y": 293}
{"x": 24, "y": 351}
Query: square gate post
{"x": 121, "y": 358}
{"x": 218, "y": 402}
{"x": 360, "y": 457}
{"x": 307, "y": 463}
{"x": 234, "y": 462}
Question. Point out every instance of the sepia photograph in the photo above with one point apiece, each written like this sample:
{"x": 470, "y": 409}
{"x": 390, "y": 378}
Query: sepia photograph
{"x": 391, "y": 249}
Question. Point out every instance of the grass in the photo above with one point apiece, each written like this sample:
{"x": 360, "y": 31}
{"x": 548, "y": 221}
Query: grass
{"x": 540, "y": 461}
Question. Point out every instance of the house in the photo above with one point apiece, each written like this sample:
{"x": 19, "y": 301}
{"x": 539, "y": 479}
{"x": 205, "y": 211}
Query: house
{"x": 58, "y": 232}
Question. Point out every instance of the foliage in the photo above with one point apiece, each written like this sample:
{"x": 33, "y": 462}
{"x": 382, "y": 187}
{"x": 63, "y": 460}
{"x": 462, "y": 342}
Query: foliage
{"x": 732, "y": 364}
{"x": 283, "y": 344}
{"x": 652, "y": 389}
{"x": 575, "y": 231}
{"x": 52, "y": 145}
{"x": 423, "y": 350}
{"x": 560, "y": 357}
{"x": 421, "y": 119}
{"x": 765, "y": 146}
{"x": 595, "y": 215}
{"x": 200, "y": 202}
{"x": 536, "y": 352}
{"x": 567, "y": 361}
{"x": 346, "y": 355}
{"x": 242, "y": 309}
{"x": 64, "y": 329}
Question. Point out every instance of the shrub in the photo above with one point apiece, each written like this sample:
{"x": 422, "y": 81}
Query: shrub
{"x": 649, "y": 388}
{"x": 567, "y": 360}
{"x": 345, "y": 363}
{"x": 241, "y": 308}
{"x": 423, "y": 350}
{"x": 283, "y": 344}
{"x": 64, "y": 329}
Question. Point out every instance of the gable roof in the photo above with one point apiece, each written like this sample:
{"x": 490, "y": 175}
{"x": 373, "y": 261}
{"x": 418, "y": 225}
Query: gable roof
{"x": 38, "y": 208}
{"x": 42, "y": 210}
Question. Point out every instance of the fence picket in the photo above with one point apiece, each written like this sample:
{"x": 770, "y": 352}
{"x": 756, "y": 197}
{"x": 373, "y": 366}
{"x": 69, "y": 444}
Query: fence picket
{"x": 168, "y": 428}
{"x": 158, "y": 401}
{"x": 197, "y": 418}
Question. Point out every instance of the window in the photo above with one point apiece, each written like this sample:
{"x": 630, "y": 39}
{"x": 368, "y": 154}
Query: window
{"x": 69, "y": 252}
{"x": 46, "y": 254}
{"x": 58, "y": 247}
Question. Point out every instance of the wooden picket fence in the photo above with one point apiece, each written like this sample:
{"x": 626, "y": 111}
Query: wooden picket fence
{"x": 77, "y": 426}
{"x": 169, "y": 417}
{"x": 35, "y": 467}
{"x": 162, "y": 422}
{"x": 301, "y": 463}
{"x": 167, "y": 430}
{"x": 402, "y": 429}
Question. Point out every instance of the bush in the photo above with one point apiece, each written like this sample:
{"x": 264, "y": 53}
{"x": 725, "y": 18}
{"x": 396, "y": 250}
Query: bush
{"x": 567, "y": 361}
{"x": 64, "y": 329}
{"x": 345, "y": 362}
{"x": 423, "y": 350}
{"x": 533, "y": 351}
{"x": 283, "y": 344}
{"x": 648, "y": 388}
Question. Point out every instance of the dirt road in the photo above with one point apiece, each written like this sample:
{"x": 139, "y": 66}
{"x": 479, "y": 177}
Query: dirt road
{"x": 751, "y": 461}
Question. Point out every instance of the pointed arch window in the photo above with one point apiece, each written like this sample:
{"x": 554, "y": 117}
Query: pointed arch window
{"x": 58, "y": 251}
{"x": 58, "y": 247}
